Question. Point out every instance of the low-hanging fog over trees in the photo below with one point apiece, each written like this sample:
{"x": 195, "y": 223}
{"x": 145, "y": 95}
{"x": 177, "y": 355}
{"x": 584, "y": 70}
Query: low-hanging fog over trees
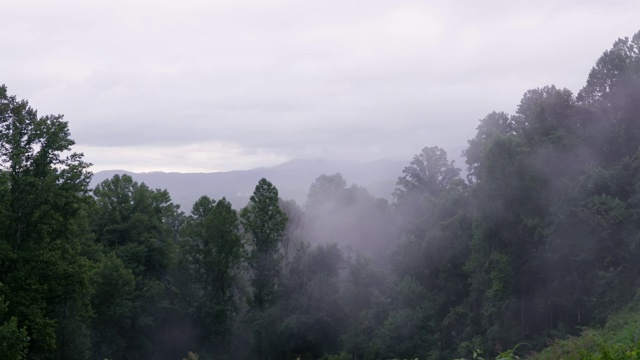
{"x": 537, "y": 241}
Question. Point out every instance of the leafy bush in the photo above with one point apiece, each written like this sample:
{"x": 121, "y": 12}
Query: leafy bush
{"x": 619, "y": 339}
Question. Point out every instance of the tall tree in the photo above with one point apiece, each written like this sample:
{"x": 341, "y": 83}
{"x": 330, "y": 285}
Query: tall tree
{"x": 265, "y": 224}
{"x": 297, "y": 230}
{"x": 325, "y": 193}
{"x": 310, "y": 315}
{"x": 44, "y": 187}
{"x": 113, "y": 291}
{"x": 611, "y": 99}
{"x": 433, "y": 201}
{"x": 213, "y": 252}
{"x": 136, "y": 224}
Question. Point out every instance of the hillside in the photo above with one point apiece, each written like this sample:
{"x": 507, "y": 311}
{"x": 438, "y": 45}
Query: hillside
{"x": 292, "y": 178}
{"x": 618, "y": 339}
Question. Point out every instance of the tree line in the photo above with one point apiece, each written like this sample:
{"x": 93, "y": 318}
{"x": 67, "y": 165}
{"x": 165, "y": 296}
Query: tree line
{"x": 539, "y": 239}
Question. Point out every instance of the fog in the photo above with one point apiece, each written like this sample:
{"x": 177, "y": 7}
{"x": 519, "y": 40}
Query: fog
{"x": 329, "y": 181}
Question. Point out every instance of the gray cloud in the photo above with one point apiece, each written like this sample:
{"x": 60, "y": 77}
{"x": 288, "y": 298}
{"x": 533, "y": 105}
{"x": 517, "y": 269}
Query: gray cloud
{"x": 215, "y": 85}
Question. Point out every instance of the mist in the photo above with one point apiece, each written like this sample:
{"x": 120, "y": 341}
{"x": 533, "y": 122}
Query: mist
{"x": 296, "y": 182}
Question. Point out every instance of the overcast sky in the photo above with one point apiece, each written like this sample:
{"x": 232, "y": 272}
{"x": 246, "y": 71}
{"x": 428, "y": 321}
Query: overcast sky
{"x": 201, "y": 85}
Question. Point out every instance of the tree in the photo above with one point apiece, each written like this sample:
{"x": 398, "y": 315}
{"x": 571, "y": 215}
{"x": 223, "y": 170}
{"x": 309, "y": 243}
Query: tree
{"x": 611, "y": 99}
{"x": 433, "y": 201}
{"x": 325, "y": 193}
{"x": 136, "y": 224}
{"x": 213, "y": 252}
{"x": 13, "y": 339}
{"x": 364, "y": 301}
{"x": 493, "y": 125}
{"x": 44, "y": 186}
{"x": 349, "y": 216}
{"x": 296, "y": 232}
{"x": 409, "y": 331}
{"x": 429, "y": 174}
{"x": 265, "y": 225}
{"x": 610, "y": 71}
{"x": 113, "y": 303}
{"x": 310, "y": 315}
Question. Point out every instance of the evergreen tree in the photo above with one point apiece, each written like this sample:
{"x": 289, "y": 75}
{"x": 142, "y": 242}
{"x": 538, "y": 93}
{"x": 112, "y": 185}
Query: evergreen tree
{"x": 265, "y": 224}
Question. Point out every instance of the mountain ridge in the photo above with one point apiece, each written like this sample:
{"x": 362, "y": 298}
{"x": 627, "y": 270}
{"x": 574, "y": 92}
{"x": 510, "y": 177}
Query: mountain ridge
{"x": 292, "y": 178}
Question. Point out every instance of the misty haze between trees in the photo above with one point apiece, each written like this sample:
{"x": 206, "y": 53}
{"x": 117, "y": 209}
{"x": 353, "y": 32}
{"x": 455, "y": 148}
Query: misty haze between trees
{"x": 540, "y": 241}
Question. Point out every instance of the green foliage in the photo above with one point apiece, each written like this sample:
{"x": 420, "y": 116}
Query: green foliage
{"x": 211, "y": 255}
{"x": 263, "y": 219}
{"x": 429, "y": 174}
{"x": 43, "y": 186}
{"x": 409, "y": 329}
{"x": 13, "y": 339}
{"x": 113, "y": 287}
{"x": 510, "y": 354}
{"x": 131, "y": 219}
{"x": 134, "y": 223}
{"x": 311, "y": 315}
{"x": 264, "y": 223}
{"x": 619, "y": 339}
{"x": 325, "y": 192}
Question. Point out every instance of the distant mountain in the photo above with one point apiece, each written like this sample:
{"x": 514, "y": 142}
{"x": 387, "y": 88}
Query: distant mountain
{"x": 292, "y": 179}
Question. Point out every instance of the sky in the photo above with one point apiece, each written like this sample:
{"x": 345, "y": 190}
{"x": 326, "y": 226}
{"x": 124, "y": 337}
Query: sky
{"x": 202, "y": 85}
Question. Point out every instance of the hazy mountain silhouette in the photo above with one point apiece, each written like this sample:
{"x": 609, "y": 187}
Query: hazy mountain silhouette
{"x": 292, "y": 178}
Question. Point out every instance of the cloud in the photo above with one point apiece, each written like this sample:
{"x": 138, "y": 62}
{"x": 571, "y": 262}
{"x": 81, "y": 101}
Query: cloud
{"x": 275, "y": 80}
{"x": 194, "y": 157}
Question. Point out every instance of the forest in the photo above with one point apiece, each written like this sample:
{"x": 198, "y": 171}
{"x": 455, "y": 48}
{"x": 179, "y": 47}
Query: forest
{"x": 537, "y": 242}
